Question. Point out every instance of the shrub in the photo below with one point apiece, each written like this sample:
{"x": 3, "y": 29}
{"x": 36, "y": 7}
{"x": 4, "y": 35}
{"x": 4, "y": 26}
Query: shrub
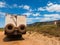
{"x": 45, "y": 29}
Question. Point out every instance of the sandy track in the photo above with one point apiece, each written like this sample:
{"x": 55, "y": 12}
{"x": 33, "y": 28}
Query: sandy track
{"x": 30, "y": 39}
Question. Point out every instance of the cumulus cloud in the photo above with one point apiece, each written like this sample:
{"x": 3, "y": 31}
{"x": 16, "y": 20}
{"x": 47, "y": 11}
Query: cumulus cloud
{"x": 27, "y": 13}
{"x": 31, "y": 14}
{"x": 2, "y": 4}
{"x": 50, "y": 17}
{"x": 55, "y": 16}
{"x": 5, "y": 5}
{"x": 51, "y": 7}
{"x": 50, "y": 4}
{"x": 41, "y": 19}
{"x": 45, "y": 19}
{"x": 41, "y": 9}
{"x": 32, "y": 20}
{"x": 26, "y": 7}
{"x": 2, "y": 14}
{"x": 36, "y": 14}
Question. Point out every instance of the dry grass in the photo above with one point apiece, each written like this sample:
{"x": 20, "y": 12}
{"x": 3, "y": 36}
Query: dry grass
{"x": 1, "y": 29}
{"x": 53, "y": 30}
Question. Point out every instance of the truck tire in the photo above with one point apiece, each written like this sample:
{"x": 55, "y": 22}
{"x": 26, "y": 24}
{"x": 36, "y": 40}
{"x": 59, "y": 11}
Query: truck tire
{"x": 9, "y": 28}
{"x": 22, "y": 28}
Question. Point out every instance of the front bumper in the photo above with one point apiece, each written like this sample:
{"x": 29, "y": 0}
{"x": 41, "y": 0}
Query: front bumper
{"x": 16, "y": 32}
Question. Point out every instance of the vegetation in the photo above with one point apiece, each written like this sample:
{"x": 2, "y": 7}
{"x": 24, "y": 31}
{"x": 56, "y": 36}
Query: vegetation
{"x": 1, "y": 29}
{"x": 46, "y": 29}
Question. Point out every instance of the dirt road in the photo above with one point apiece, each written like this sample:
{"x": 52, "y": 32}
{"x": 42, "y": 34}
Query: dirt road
{"x": 30, "y": 39}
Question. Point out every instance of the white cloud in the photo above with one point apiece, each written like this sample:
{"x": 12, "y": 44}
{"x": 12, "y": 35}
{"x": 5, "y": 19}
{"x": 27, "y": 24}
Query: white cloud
{"x": 54, "y": 7}
{"x": 2, "y": 4}
{"x": 2, "y": 14}
{"x": 38, "y": 18}
{"x": 26, "y": 7}
{"x": 28, "y": 14}
{"x": 31, "y": 14}
{"x": 45, "y": 19}
{"x": 30, "y": 10}
{"x": 36, "y": 14}
{"x": 41, "y": 9}
{"x": 32, "y": 20}
{"x": 50, "y": 7}
{"x": 55, "y": 16}
{"x": 50, "y": 17}
{"x": 50, "y": 4}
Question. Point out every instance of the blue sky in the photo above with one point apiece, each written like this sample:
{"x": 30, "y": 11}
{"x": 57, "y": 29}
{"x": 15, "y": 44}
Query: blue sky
{"x": 36, "y": 10}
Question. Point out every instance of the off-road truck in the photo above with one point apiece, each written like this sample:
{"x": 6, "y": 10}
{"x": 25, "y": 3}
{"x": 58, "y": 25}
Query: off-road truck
{"x": 15, "y": 25}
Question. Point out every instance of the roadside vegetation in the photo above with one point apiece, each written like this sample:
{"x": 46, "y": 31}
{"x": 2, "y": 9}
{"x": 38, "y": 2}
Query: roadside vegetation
{"x": 1, "y": 29}
{"x": 46, "y": 29}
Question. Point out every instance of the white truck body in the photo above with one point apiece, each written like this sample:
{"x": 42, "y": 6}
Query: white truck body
{"x": 10, "y": 19}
